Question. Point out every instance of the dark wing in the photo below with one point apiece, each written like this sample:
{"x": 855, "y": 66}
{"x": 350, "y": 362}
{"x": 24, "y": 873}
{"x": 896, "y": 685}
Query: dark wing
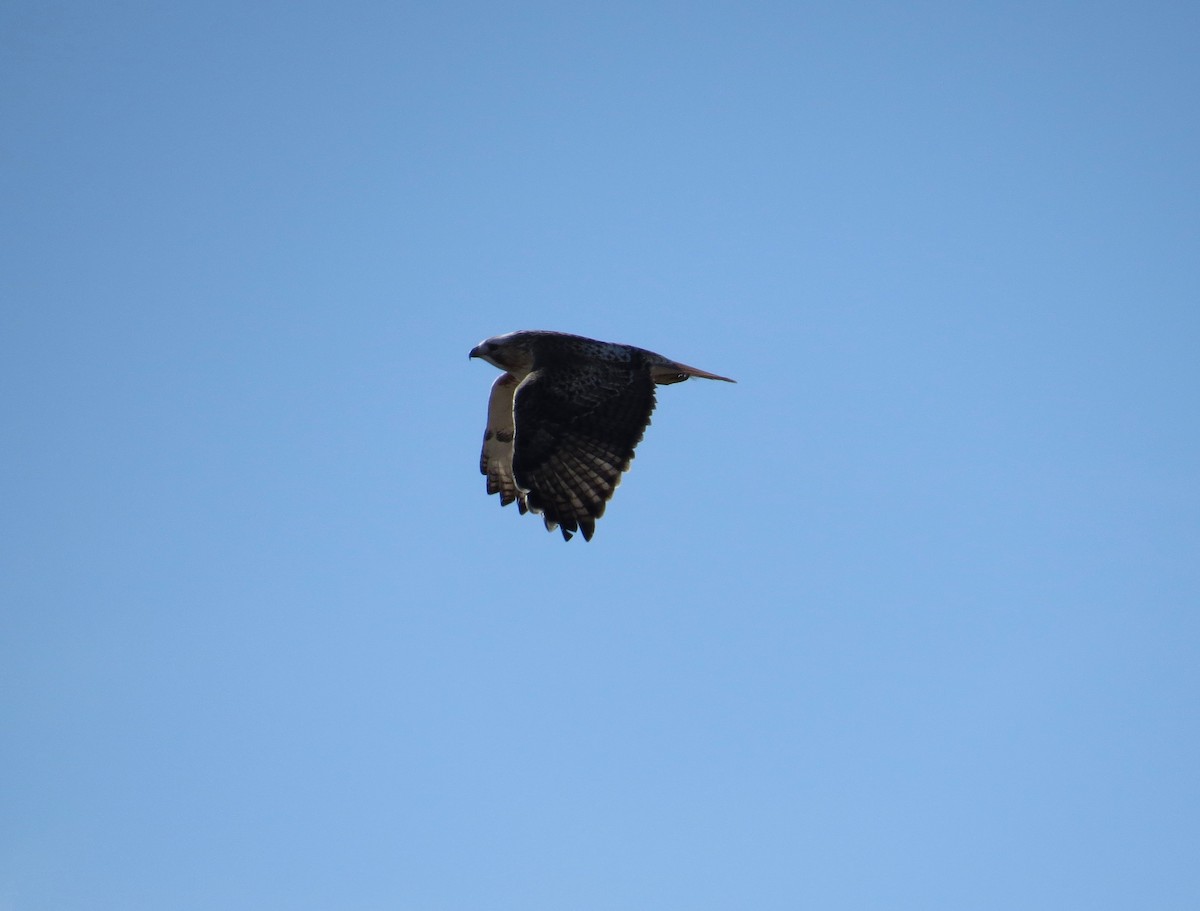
{"x": 576, "y": 429}
{"x": 496, "y": 459}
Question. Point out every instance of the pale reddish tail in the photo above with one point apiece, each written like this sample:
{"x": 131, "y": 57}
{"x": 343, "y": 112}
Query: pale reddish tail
{"x": 704, "y": 374}
{"x": 669, "y": 372}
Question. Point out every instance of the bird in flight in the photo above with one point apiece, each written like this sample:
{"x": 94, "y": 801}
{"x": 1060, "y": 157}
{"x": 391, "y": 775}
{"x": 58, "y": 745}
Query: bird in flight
{"x": 563, "y": 421}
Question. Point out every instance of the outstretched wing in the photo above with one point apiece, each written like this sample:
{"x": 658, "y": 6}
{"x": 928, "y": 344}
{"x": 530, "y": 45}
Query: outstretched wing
{"x": 496, "y": 459}
{"x": 576, "y": 428}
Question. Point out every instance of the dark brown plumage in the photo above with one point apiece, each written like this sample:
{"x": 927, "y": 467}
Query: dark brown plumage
{"x": 564, "y": 420}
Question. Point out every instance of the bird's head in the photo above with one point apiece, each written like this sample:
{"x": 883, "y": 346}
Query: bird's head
{"x": 509, "y": 352}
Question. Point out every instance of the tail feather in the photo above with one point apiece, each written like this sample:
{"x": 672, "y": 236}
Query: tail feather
{"x": 704, "y": 374}
{"x": 673, "y": 372}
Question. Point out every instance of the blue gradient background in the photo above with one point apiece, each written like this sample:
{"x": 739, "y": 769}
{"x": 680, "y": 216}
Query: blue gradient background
{"x": 906, "y": 619}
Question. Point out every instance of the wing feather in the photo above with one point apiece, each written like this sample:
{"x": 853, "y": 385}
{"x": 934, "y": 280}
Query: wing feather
{"x": 495, "y": 461}
{"x": 576, "y": 427}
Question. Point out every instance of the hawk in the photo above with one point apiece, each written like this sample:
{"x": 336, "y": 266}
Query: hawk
{"x": 563, "y": 421}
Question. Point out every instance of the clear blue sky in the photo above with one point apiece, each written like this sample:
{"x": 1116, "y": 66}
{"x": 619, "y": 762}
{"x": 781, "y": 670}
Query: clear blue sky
{"x": 906, "y": 619}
